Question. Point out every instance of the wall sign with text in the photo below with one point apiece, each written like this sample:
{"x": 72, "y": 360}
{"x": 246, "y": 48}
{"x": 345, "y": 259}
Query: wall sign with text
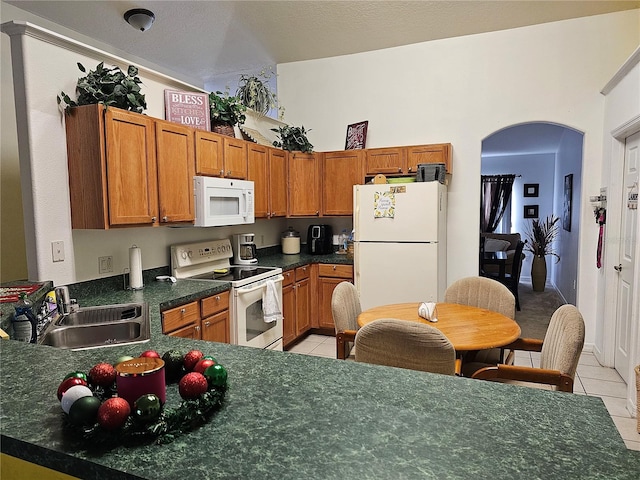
{"x": 188, "y": 108}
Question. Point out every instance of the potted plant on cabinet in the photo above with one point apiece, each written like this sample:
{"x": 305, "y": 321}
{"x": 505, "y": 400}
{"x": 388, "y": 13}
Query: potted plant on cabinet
{"x": 226, "y": 111}
{"x": 540, "y": 237}
{"x": 254, "y": 92}
{"x": 108, "y": 86}
{"x": 293, "y": 139}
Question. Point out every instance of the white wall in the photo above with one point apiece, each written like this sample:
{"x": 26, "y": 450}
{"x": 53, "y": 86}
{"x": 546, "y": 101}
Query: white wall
{"x": 460, "y": 90}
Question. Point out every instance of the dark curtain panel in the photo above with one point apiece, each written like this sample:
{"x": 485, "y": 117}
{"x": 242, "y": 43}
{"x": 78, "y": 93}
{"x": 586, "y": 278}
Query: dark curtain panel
{"x": 494, "y": 195}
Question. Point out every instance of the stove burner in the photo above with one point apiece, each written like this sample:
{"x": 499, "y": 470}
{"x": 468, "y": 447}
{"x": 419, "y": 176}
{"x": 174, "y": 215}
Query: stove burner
{"x": 234, "y": 274}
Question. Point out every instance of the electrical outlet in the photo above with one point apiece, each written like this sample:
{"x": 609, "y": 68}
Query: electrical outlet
{"x": 105, "y": 264}
{"x": 57, "y": 251}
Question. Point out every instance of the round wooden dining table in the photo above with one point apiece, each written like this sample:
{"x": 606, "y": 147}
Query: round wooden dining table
{"x": 467, "y": 328}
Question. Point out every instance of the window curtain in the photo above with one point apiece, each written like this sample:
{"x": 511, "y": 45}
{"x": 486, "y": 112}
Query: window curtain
{"x": 494, "y": 196}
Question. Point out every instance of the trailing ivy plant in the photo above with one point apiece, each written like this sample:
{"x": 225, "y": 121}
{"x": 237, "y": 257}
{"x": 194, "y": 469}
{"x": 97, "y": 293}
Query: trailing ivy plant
{"x": 254, "y": 92}
{"x": 293, "y": 139}
{"x": 226, "y": 110}
{"x": 108, "y": 86}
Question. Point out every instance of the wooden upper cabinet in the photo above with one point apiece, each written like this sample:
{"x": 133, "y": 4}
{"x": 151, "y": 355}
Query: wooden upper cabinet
{"x": 388, "y": 161}
{"x": 257, "y": 172}
{"x": 235, "y": 158}
{"x": 112, "y": 167}
{"x": 220, "y": 155}
{"x": 303, "y": 177}
{"x": 176, "y": 168}
{"x": 209, "y": 154}
{"x": 341, "y": 171}
{"x": 277, "y": 183}
{"x": 436, "y": 153}
{"x": 267, "y": 168}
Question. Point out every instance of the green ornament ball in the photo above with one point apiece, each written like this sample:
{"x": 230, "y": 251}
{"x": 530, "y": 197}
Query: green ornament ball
{"x": 84, "y": 411}
{"x": 216, "y": 375}
{"x": 147, "y": 407}
{"x": 209, "y": 357}
{"x": 76, "y": 374}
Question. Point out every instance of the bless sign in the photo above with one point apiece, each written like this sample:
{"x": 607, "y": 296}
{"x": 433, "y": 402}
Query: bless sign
{"x": 187, "y": 108}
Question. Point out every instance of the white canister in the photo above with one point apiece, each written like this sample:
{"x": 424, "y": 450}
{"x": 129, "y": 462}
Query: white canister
{"x": 290, "y": 242}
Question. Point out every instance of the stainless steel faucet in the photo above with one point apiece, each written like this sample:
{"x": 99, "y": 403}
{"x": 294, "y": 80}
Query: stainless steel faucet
{"x": 65, "y": 303}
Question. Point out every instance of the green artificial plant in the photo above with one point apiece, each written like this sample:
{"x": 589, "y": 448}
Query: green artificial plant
{"x": 293, "y": 139}
{"x": 254, "y": 92}
{"x": 108, "y": 86}
{"x": 225, "y": 109}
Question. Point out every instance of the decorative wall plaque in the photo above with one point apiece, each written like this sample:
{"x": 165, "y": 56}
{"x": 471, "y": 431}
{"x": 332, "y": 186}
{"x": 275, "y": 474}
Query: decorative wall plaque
{"x": 188, "y": 108}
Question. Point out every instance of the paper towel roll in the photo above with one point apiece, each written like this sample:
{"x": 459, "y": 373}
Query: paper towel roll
{"x": 135, "y": 268}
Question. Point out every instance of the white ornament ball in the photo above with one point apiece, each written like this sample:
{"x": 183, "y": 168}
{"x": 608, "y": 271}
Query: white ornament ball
{"x": 73, "y": 394}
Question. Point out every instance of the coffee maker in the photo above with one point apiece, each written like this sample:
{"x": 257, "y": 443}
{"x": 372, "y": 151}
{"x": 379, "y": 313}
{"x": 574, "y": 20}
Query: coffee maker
{"x": 244, "y": 249}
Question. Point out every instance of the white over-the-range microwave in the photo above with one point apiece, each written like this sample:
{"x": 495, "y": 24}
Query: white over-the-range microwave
{"x": 223, "y": 201}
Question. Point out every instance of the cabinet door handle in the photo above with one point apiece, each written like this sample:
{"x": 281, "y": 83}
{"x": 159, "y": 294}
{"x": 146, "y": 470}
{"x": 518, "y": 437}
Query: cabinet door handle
{"x": 165, "y": 219}
{"x": 183, "y": 311}
{"x": 197, "y": 329}
{"x": 207, "y": 324}
{"x": 399, "y": 170}
{"x": 153, "y": 219}
{"x": 410, "y": 169}
{"x": 228, "y": 173}
{"x": 335, "y": 268}
{"x": 222, "y": 173}
{"x": 317, "y": 212}
{"x": 217, "y": 298}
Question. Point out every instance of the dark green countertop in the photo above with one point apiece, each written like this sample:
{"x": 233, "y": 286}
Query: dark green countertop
{"x": 294, "y": 416}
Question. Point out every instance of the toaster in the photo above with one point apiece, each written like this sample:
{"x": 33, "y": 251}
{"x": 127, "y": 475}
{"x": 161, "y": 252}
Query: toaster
{"x": 319, "y": 239}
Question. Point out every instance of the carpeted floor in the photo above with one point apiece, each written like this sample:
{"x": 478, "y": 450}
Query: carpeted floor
{"x": 536, "y": 309}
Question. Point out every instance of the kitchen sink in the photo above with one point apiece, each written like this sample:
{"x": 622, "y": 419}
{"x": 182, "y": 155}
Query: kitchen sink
{"x": 95, "y": 327}
{"x": 106, "y": 314}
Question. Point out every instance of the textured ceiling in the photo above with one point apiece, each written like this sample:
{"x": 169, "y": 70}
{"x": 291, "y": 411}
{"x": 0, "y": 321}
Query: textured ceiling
{"x": 203, "y": 40}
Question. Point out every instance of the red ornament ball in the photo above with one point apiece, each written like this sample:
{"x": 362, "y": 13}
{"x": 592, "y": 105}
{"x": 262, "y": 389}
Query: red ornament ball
{"x": 150, "y": 354}
{"x": 113, "y": 413}
{"x": 203, "y": 364}
{"x": 192, "y": 385}
{"x": 67, "y": 383}
{"x": 102, "y": 374}
{"x": 191, "y": 358}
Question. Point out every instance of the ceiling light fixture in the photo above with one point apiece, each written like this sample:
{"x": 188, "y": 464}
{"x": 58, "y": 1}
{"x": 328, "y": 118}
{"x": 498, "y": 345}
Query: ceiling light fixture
{"x": 140, "y": 18}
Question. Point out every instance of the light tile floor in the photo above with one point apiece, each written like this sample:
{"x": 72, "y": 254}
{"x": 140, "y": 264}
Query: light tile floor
{"x": 591, "y": 379}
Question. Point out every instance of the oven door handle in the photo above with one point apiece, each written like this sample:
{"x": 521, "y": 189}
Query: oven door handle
{"x": 278, "y": 279}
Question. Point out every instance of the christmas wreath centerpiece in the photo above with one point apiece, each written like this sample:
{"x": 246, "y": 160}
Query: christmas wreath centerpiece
{"x": 100, "y": 416}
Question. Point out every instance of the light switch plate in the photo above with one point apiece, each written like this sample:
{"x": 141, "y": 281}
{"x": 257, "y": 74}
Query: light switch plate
{"x": 105, "y": 264}
{"x": 57, "y": 251}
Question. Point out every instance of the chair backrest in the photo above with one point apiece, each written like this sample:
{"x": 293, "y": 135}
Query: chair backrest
{"x": 563, "y": 342}
{"x": 482, "y": 292}
{"x": 517, "y": 261}
{"x": 405, "y": 344}
{"x": 345, "y": 307}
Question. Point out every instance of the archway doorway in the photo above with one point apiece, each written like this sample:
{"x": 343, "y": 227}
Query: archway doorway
{"x": 547, "y": 161}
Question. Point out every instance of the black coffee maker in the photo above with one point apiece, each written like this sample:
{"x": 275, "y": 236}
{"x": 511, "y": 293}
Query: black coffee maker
{"x": 319, "y": 239}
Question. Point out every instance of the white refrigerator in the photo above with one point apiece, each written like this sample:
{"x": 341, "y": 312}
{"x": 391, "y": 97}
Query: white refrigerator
{"x": 400, "y": 242}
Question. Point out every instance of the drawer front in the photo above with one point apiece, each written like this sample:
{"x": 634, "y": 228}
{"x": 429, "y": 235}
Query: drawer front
{"x": 289, "y": 277}
{"x": 302, "y": 272}
{"x": 180, "y": 316}
{"x": 214, "y": 304}
{"x": 335, "y": 271}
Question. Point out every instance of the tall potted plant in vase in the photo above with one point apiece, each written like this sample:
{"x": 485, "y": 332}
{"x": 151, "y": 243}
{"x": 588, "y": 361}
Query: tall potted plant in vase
{"x": 540, "y": 237}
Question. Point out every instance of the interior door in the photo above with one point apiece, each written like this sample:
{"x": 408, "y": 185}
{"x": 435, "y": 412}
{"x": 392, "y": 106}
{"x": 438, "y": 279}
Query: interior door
{"x": 627, "y": 261}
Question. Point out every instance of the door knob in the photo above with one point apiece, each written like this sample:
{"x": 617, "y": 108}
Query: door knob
{"x": 618, "y": 268}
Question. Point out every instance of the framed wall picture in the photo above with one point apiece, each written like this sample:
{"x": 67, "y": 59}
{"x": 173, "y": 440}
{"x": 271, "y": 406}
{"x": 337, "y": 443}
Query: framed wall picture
{"x": 531, "y": 189}
{"x": 187, "y": 108}
{"x": 531, "y": 211}
{"x": 567, "y": 200}
{"x": 356, "y": 136}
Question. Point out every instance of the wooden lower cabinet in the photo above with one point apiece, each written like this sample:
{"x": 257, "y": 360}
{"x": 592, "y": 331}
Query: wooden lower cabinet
{"x": 329, "y": 276}
{"x": 296, "y": 303}
{"x": 206, "y": 319}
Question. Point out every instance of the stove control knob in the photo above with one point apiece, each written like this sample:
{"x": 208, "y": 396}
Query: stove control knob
{"x": 189, "y": 253}
{"x": 183, "y": 254}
